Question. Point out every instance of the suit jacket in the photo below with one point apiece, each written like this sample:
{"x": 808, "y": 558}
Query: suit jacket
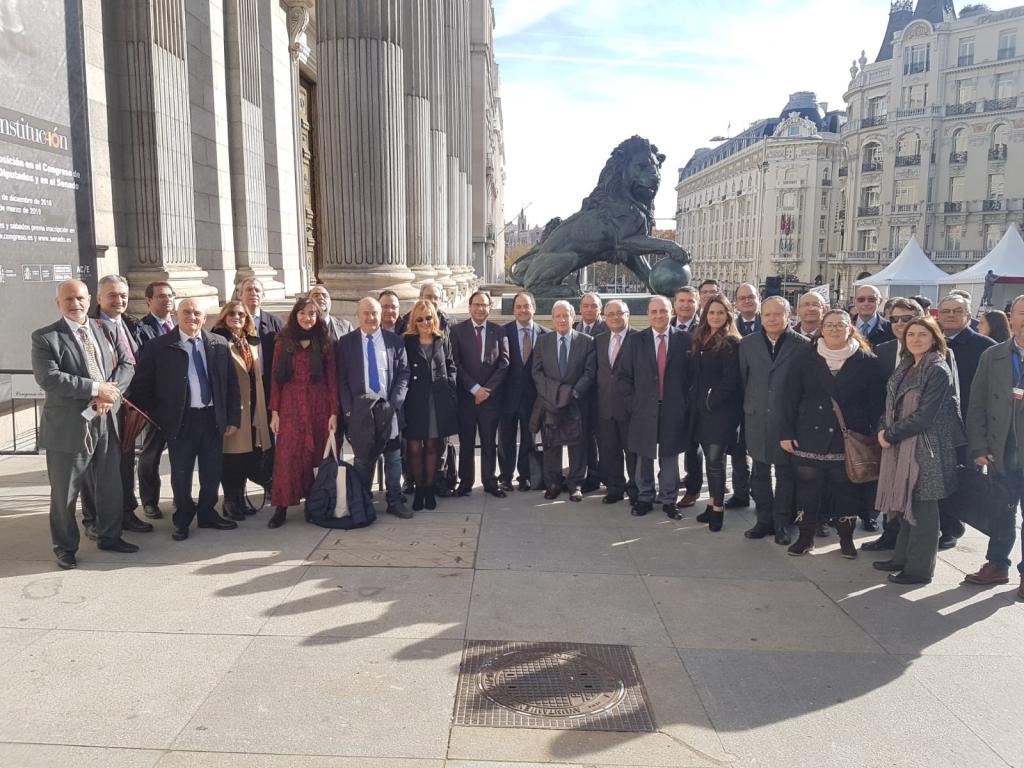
{"x": 609, "y": 403}
{"x": 716, "y": 397}
{"x": 599, "y": 327}
{"x": 336, "y": 328}
{"x": 431, "y": 385}
{"x": 881, "y": 334}
{"x": 694, "y": 321}
{"x": 489, "y": 373}
{"x": 349, "y": 357}
{"x": 991, "y": 412}
{"x": 58, "y": 364}
{"x": 655, "y": 430}
{"x": 161, "y": 382}
{"x": 741, "y": 325}
{"x": 764, "y": 383}
{"x": 968, "y": 347}
{"x": 579, "y": 377}
{"x": 267, "y": 329}
{"x": 133, "y": 329}
{"x": 519, "y": 391}
{"x": 149, "y": 328}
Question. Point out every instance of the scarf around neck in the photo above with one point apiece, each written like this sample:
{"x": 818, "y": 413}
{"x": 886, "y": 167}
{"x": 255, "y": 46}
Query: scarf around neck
{"x": 834, "y": 358}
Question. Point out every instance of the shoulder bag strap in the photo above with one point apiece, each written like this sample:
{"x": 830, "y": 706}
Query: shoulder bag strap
{"x": 839, "y": 415}
{"x": 331, "y": 448}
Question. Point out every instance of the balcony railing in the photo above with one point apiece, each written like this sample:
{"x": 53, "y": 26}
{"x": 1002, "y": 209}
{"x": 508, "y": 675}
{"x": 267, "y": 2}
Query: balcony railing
{"x": 903, "y": 161}
{"x": 1006, "y": 53}
{"x": 952, "y": 207}
{"x": 869, "y": 210}
{"x": 873, "y": 120}
{"x": 998, "y": 152}
{"x": 826, "y": 182}
{"x": 992, "y": 205}
{"x": 958, "y": 158}
{"x": 957, "y": 256}
{"x": 871, "y": 166}
{"x": 843, "y": 172}
{"x": 966, "y": 108}
{"x": 906, "y": 207}
{"x": 865, "y": 257}
{"x": 994, "y": 105}
{"x": 965, "y": 61}
{"x": 842, "y": 215}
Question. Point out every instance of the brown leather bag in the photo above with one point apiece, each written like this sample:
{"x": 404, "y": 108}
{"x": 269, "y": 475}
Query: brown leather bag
{"x": 863, "y": 452}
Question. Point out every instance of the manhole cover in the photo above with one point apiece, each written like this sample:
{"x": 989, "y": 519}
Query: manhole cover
{"x": 551, "y": 685}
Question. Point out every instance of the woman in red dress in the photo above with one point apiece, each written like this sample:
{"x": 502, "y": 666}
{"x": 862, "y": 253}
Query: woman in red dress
{"x": 303, "y": 405}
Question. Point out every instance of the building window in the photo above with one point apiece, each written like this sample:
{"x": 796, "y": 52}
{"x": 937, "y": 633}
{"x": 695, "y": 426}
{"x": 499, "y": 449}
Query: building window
{"x": 966, "y": 55}
{"x": 966, "y": 91}
{"x": 916, "y": 59}
{"x": 789, "y": 200}
{"x": 870, "y": 197}
{"x": 1002, "y": 86}
{"x": 867, "y": 239}
{"x": 1000, "y": 141}
{"x": 954, "y": 233}
{"x": 915, "y": 97}
{"x": 824, "y": 199}
{"x": 909, "y": 145}
{"x": 996, "y": 186}
{"x": 1007, "y": 44}
{"x": 904, "y": 194}
{"x": 993, "y": 234}
{"x": 901, "y": 236}
{"x": 957, "y": 188}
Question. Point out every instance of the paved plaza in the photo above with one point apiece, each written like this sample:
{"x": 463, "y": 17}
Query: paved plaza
{"x": 308, "y": 648}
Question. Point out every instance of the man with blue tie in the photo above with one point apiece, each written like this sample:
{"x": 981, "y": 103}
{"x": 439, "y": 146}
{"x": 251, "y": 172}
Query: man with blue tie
{"x": 873, "y": 326}
{"x": 187, "y": 383}
{"x": 371, "y": 361}
{"x": 748, "y": 306}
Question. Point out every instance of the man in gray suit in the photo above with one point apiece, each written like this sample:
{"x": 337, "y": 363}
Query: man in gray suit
{"x": 564, "y": 371}
{"x": 83, "y": 367}
{"x": 336, "y": 327}
{"x": 617, "y": 461}
{"x": 765, "y": 359}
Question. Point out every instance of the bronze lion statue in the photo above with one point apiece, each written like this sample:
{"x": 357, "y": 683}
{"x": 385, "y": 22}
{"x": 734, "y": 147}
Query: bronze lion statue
{"x": 614, "y": 225}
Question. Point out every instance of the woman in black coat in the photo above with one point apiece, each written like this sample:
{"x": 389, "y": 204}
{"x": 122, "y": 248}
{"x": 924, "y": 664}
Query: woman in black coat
{"x": 430, "y": 410}
{"x": 839, "y": 364}
{"x": 716, "y": 398}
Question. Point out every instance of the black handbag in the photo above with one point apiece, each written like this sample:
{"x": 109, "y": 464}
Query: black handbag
{"x": 974, "y": 498}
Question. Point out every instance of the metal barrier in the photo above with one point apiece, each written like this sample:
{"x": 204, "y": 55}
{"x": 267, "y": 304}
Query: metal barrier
{"x": 23, "y": 389}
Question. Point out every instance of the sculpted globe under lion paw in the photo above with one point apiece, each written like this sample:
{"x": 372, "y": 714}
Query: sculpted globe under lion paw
{"x": 614, "y": 225}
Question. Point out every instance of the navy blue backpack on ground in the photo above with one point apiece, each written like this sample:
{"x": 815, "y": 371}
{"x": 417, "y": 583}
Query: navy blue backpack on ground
{"x": 322, "y": 502}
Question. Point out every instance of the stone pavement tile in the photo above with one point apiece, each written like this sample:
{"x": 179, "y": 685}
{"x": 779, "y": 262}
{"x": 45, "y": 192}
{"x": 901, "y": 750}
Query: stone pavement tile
{"x": 14, "y": 641}
{"x": 330, "y": 696}
{"x": 687, "y": 548}
{"x": 685, "y": 736}
{"x": 969, "y": 554}
{"x": 429, "y": 540}
{"x": 572, "y": 607}
{"x": 934, "y": 618}
{"x": 113, "y": 689}
{"x": 50, "y": 755}
{"x": 549, "y": 548}
{"x": 984, "y": 692}
{"x": 826, "y": 564}
{"x": 754, "y": 615}
{"x": 375, "y": 602}
{"x": 531, "y": 508}
{"x": 803, "y": 710}
{"x": 38, "y": 595}
{"x": 233, "y": 760}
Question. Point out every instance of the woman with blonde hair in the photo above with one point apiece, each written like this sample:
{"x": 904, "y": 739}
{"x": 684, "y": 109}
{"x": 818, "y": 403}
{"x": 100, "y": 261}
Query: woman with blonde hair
{"x": 243, "y": 450}
{"x": 430, "y": 405}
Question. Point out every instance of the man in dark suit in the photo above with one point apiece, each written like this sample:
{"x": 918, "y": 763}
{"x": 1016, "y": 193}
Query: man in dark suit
{"x": 564, "y": 371}
{"x": 589, "y": 320}
{"x": 685, "y": 317}
{"x": 431, "y": 291}
{"x": 480, "y": 349}
{"x": 186, "y": 382}
{"x": 518, "y": 395}
{"x": 83, "y": 367}
{"x": 653, "y": 378}
{"x": 336, "y": 326}
{"x": 112, "y": 301}
{"x": 765, "y": 360}
{"x": 873, "y": 326}
{"x": 748, "y": 306}
{"x": 250, "y": 293}
{"x": 590, "y": 323}
{"x": 617, "y": 462}
{"x": 158, "y": 321}
{"x": 371, "y": 361}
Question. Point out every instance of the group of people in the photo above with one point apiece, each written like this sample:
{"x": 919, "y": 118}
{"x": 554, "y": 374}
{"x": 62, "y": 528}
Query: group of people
{"x": 255, "y": 399}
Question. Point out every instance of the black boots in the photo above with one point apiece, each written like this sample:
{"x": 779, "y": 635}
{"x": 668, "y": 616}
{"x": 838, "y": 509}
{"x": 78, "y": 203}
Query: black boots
{"x": 280, "y": 517}
{"x": 715, "y": 518}
{"x": 805, "y": 542}
{"x": 846, "y": 546}
{"x": 234, "y": 506}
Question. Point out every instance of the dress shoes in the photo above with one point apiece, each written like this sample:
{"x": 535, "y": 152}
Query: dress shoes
{"x": 758, "y": 531}
{"x": 782, "y": 538}
{"x": 90, "y": 531}
{"x": 887, "y": 565}
{"x": 715, "y": 519}
{"x": 906, "y": 578}
{"x": 66, "y": 561}
{"x": 505, "y": 485}
{"x": 525, "y": 485}
{"x": 590, "y": 484}
{"x": 400, "y": 510}
{"x": 871, "y": 526}
{"x": 219, "y": 523}
{"x": 641, "y": 508}
{"x": 152, "y": 512}
{"x": 552, "y": 493}
{"x": 429, "y": 499}
{"x": 576, "y": 494}
{"x": 611, "y": 498}
{"x": 737, "y": 502}
{"x": 496, "y": 491}
{"x": 883, "y": 543}
{"x": 947, "y": 542}
{"x": 279, "y": 518}
{"x": 704, "y": 516}
{"x": 117, "y": 545}
{"x": 988, "y": 575}
{"x": 180, "y": 534}
{"x": 672, "y": 511}
{"x": 133, "y": 524}
{"x": 688, "y": 500}
{"x": 463, "y": 490}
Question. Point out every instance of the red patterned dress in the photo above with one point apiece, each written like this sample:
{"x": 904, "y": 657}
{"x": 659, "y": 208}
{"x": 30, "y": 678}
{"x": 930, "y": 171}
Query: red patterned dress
{"x": 303, "y": 407}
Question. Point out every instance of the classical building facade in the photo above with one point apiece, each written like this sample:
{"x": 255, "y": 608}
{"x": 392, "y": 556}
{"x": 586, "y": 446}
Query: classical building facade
{"x": 758, "y": 205}
{"x": 357, "y": 143}
{"x": 934, "y": 144}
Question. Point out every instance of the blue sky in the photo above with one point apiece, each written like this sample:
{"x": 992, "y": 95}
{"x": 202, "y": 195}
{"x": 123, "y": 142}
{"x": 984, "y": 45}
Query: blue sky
{"x": 579, "y": 76}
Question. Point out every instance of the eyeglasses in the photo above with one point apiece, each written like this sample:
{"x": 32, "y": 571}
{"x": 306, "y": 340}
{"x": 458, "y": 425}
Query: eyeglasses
{"x": 866, "y": 300}
{"x": 834, "y": 326}
{"x": 745, "y": 298}
{"x": 423, "y": 319}
{"x": 900, "y": 318}
{"x": 953, "y": 312}
{"x": 237, "y": 314}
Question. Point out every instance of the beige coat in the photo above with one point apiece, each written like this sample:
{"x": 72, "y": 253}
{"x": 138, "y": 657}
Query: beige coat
{"x": 241, "y": 441}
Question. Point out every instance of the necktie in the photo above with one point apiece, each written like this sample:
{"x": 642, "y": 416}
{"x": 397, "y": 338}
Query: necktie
{"x": 167, "y": 326}
{"x": 616, "y": 345}
{"x": 92, "y": 361}
{"x": 204, "y": 381}
{"x": 480, "y": 342}
{"x": 527, "y": 346}
{"x": 563, "y": 355}
{"x": 373, "y": 374}
{"x": 124, "y": 340}
{"x": 586, "y": 329}
{"x": 662, "y": 358}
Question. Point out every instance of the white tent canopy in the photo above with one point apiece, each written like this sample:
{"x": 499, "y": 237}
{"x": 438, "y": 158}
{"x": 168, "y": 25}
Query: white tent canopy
{"x": 911, "y": 273}
{"x": 1006, "y": 260}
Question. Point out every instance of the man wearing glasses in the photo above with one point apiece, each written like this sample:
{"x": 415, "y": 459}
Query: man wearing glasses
{"x": 748, "y": 315}
{"x": 873, "y": 326}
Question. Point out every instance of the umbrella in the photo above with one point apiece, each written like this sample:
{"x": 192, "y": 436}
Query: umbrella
{"x": 135, "y": 420}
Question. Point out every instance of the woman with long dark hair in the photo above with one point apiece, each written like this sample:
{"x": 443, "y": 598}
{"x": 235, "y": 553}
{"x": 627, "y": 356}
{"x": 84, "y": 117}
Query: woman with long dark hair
{"x": 303, "y": 404}
{"x": 430, "y": 405}
{"x": 994, "y": 325}
{"x": 837, "y": 366}
{"x": 243, "y": 450}
{"x": 716, "y": 398}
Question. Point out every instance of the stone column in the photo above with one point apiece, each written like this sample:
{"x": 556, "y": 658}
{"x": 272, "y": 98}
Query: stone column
{"x": 298, "y": 50}
{"x": 454, "y": 18}
{"x": 161, "y": 226}
{"x": 362, "y": 148}
{"x": 418, "y": 150}
{"x": 438, "y": 86}
{"x": 246, "y": 147}
{"x": 465, "y": 147}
